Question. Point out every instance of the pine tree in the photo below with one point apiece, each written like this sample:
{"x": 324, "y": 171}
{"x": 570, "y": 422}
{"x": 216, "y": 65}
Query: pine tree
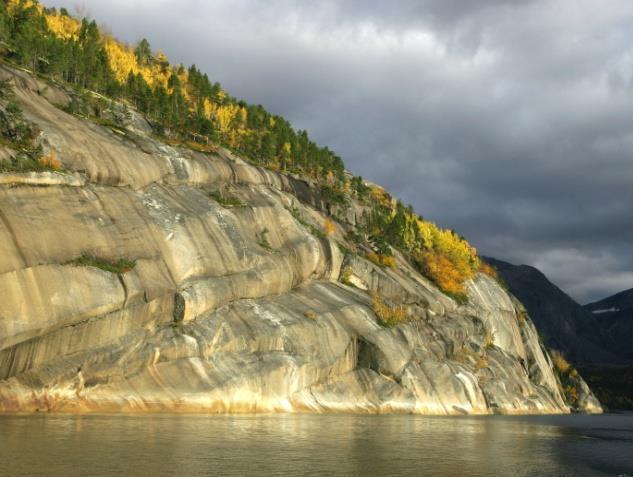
{"x": 143, "y": 52}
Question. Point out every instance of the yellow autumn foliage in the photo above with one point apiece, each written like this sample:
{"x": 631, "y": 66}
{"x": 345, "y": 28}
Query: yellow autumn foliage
{"x": 222, "y": 95}
{"x": 224, "y": 116}
{"x": 208, "y": 108}
{"x": 328, "y": 227}
{"x": 63, "y": 26}
{"x": 11, "y": 4}
{"x": 50, "y": 161}
{"x": 388, "y": 315}
{"x": 230, "y": 120}
{"x": 381, "y": 260}
{"x": 426, "y": 232}
{"x": 381, "y": 196}
{"x": 122, "y": 60}
{"x": 560, "y": 363}
{"x": 158, "y": 72}
{"x": 488, "y": 269}
{"x": 447, "y": 274}
{"x": 183, "y": 77}
{"x": 121, "y": 57}
{"x": 445, "y": 257}
{"x": 388, "y": 261}
{"x": 409, "y": 233}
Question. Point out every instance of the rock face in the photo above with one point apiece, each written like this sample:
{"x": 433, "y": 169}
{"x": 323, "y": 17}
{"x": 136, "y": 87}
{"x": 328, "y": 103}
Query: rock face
{"x": 228, "y": 308}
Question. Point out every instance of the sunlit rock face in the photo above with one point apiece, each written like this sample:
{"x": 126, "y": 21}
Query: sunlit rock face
{"x": 228, "y": 308}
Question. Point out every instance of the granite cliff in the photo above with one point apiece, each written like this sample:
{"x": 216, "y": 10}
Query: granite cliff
{"x": 595, "y": 337}
{"x": 227, "y": 305}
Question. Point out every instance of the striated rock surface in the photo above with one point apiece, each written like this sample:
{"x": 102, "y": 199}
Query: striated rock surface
{"x": 227, "y": 309}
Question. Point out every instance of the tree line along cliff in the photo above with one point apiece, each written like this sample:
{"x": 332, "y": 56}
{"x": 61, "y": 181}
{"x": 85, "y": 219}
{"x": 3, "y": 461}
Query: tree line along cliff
{"x": 185, "y": 107}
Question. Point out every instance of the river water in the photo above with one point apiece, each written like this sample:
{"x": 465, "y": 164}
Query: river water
{"x": 390, "y": 445}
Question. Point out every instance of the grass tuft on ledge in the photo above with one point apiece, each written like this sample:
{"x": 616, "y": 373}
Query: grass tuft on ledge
{"x": 262, "y": 240}
{"x": 119, "y": 267}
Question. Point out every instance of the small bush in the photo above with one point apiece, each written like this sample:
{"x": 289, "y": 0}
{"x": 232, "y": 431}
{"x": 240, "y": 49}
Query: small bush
{"x": 374, "y": 258}
{"x": 381, "y": 260}
{"x": 294, "y": 211}
{"x": 334, "y": 195}
{"x": 316, "y": 232}
{"x": 108, "y": 123}
{"x": 6, "y": 90}
{"x": 50, "y": 161}
{"x": 328, "y": 227}
{"x": 120, "y": 266}
{"x": 460, "y": 298}
{"x": 262, "y": 240}
{"x": 346, "y": 275}
{"x": 388, "y": 261}
{"x": 569, "y": 378}
{"x": 208, "y": 148}
{"x": 445, "y": 273}
{"x": 464, "y": 355}
{"x": 489, "y": 339}
{"x": 388, "y": 315}
{"x": 560, "y": 363}
{"x": 381, "y": 196}
{"x": 343, "y": 249}
{"x": 225, "y": 200}
{"x": 487, "y": 269}
{"x": 571, "y": 394}
{"x": 14, "y": 128}
{"x": 354, "y": 237}
{"x": 310, "y": 314}
{"x": 20, "y": 135}
{"x": 492, "y": 272}
{"x": 30, "y": 161}
{"x": 481, "y": 363}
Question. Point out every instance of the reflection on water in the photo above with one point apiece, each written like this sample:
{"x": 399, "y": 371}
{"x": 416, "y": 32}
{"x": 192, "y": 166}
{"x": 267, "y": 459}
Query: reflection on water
{"x": 316, "y": 445}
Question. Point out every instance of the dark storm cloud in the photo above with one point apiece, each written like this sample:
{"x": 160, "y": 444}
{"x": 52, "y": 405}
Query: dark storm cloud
{"x": 509, "y": 121}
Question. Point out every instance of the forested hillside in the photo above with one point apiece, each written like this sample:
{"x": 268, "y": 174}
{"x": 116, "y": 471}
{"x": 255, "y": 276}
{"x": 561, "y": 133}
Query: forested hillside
{"x": 186, "y": 107}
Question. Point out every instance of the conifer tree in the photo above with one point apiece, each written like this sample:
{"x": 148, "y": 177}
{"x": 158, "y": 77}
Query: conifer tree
{"x": 143, "y": 52}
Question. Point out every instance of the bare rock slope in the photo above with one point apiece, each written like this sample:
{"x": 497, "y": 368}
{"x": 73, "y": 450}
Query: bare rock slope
{"x": 228, "y": 308}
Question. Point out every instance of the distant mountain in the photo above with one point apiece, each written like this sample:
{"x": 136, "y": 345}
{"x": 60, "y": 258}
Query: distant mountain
{"x": 615, "y": 315}
{"x": 564, "y": 324}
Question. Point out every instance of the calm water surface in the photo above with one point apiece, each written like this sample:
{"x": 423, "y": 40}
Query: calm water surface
{"x": 316, "y": 445}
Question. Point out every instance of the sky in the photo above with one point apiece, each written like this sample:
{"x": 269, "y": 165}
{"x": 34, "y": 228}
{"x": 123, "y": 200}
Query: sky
{"x": 510, "y": 122}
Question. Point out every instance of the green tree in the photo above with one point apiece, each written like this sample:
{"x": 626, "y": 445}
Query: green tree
{"x": 143, "y": 52}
